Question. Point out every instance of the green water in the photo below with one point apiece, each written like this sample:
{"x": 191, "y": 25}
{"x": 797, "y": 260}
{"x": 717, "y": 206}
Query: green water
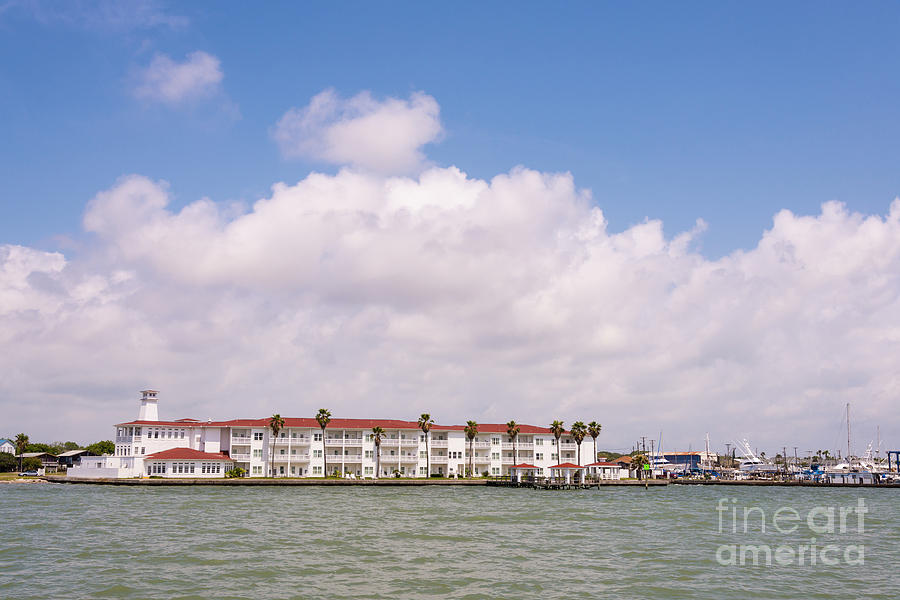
{"x": 61, "y": 541}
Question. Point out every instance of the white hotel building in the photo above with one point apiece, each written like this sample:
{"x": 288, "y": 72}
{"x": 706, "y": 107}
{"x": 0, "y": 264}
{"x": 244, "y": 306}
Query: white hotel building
{"x": 190, "y": 448}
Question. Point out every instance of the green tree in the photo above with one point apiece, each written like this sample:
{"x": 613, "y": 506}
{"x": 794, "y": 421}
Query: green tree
{"x": 557, "y": 428}
{"x": 31, "y": 464}
{"x": 637, "y": 462}
{"x": 323, "y": 417}
{"x": 593, "y": 429}
{"x": 377, "y": 434}
{"x": 471, "y": 430}
{"x": 512, "y": 430}
{"x": 425, "y": 424}
{"x": 102, "y": 447}
{"x": 276, "y": 424}
{"x": 7, "y": 462}
{"x": 21, "y": 445}
{"x": 41, "y": 447}
{"x": 579, "y": 430}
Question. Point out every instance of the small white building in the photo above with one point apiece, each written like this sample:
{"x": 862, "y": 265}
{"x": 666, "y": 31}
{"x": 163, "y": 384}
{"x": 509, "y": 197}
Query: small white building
{"x": 7, "y": 446}
{"x": 605, "y": 471}
{"x": 186, "y": 462}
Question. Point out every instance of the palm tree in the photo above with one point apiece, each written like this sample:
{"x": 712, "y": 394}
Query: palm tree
{"x": 557, "y": 429}
{"x": 512, "y": 430}
{"x": 21, "y": 445}
{"x": 425, "y": 423}
{"x": 276, "y": 424}
{"x": 377, "y": 434}
{"x": 593, "y": 429}
{"x": 471, "y": 430}
{"x": 579, "y": 430}
{"x": 324, "y": 418}
{"x": 637, "y": 462}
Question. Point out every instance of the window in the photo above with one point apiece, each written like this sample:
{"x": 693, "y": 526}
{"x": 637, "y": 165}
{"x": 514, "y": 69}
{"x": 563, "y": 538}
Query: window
{"x": 495, "y": 470}
{"x": 554, "y": 456}
{"x": 143, "y": 450}
{"x": 423, "y": 454}
{"x": 368, "y": 470}
{"x": 538, "y": 441}
{"x": 539, "y": 456}
{"x": 317, "y": 437}
{"x": 370, "y": 437}
{"x": 422, "y": 471}
{"x": 317, "y": 454}
{"x": 495, "y": 456}
{"x": 283, "y": 452}
{"x": 258, "y": 436}
{"x": 293, "y": 470}
{"x": 317, "y": 470}
{"x": 370, "y": 454}
{"x": 495, "y": 440}
{"x": 182, "y": 434}
{"x": 192, "y": 467}
{"x": 149, "y": 470}
{"x": 257, "y": 470}
{"x": 257, "y": 453}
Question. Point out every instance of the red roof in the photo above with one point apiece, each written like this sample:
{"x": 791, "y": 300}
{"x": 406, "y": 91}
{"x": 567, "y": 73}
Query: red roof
{"x": 337, "y": 424}
{"x": 186, "y": 454}
{"x": 524, "y": 466}
{"x": 604, "y": 464}
{"x": 566, "y": 466}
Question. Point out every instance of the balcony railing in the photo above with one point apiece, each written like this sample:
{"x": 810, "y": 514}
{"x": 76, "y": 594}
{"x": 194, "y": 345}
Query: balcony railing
{"x": 243, "y": 439}
{"x": 390, "y": 442}
{"x": 568, "y": 446}
{"x": 353, "y": 441}
{"x": 438, "y": 459}
{"x": 291, "y": 457}
{"x": 438, "y": 443}
{"x": 481, "y": 444}
{"x": 241, "y": 457}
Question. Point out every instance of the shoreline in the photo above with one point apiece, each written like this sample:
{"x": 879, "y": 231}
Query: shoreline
{"x": 423, "y": 482}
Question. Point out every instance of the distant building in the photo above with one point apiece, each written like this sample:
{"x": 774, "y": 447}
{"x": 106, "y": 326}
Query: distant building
{"x": 48, "y": 461}
{"x": 72, "y": 458}
{"x": 7, "y": 446}
{"x": 348, "y": 448}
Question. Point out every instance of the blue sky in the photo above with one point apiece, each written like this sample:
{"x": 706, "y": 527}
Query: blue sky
{"x": 390, "y": 284}
{"x": 720, "y": 111}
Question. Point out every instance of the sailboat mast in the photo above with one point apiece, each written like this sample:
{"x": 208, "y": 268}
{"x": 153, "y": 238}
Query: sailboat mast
{"x": 848, "y": 432}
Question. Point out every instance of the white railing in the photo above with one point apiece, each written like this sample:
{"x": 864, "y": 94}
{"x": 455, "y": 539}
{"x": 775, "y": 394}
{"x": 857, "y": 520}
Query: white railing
{"x": 241, "y": 440}
{"x": 330, "y": 442}
{"x": 241, "y": 457}
{"x": 438, "y": 443}
{"x": 390, "y": 442}
{"x": 409, "y": 458}
{"x": 299, "y": 441}
{"x": 439, "y": 459}
{"x": 353, "y": 441}
{"x": 481, "y": 444}
{"x": 409, "y": 442}
{"x": 507, "y": 460}
{"x": 355, "y": 458}
{"x": 568, "y": 446}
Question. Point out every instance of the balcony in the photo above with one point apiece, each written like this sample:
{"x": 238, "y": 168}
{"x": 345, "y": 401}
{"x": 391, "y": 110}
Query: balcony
{"x": 299, "y": 441}
{"x": 291, "y": 457}
{"x": 482, "y": 460}
{"x": 568, "y": 446}
{"x": 481, "y": 444}
{"x": 345, "y": 458}
{"x": 507, "y": 460}
{"x": 408, "y": 458}
{"x": 331, "y": 442}
{"x": 241, "y": 457}
{"x": 353, "y": 441}
{"x": 390, "y": 442}
{"x": 438, "y": 443}
{"x": 440, "y": 460}
{"x": 241, "y": 440}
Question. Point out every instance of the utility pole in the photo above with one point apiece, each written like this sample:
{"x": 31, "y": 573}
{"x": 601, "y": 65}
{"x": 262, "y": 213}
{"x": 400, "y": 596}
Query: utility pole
{"x": 728, "y": 451}
{"x": 652, "y": 453}
{"x": 784, "y": 455}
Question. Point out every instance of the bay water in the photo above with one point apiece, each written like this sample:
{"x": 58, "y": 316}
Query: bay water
{"x": 91, "y": 541}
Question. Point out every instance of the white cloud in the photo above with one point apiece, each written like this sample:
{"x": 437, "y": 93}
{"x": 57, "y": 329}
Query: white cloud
{"x": 386, "y": 137}
{"x": 508, "y": 298}
{"x": 171, "y": 82}
{"x": 104, "y": 15}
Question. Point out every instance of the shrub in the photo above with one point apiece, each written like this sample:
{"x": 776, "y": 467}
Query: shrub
{"x": 31, "y": 464}
{"x": 236, "y": 472}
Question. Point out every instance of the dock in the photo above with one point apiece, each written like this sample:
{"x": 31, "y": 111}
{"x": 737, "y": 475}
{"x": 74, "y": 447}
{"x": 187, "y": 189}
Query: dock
{"x": 559, "y": 484}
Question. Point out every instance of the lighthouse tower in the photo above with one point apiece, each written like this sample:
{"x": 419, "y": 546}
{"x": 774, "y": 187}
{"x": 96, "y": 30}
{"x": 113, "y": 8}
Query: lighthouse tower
{"x": 149, "y": 410}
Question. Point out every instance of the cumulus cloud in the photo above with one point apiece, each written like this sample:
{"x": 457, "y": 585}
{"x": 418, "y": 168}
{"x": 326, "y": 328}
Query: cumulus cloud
{"x": 171, "y": 82}
{"x": 491, "y": 299}
{"x": 383, "y": 136}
